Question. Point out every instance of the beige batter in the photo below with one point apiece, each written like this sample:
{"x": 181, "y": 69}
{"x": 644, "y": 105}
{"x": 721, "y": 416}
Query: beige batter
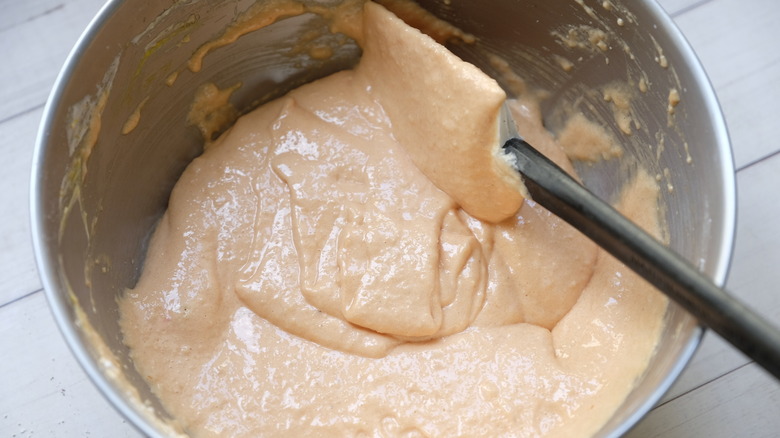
{"x": 308, "y": 279}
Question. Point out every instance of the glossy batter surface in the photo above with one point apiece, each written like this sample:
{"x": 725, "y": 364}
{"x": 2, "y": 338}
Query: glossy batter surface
{"x": 308, "y": 279}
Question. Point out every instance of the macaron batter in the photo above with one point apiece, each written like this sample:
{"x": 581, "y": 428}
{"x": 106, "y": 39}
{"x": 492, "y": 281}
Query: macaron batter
{"x": 311, "y": 278}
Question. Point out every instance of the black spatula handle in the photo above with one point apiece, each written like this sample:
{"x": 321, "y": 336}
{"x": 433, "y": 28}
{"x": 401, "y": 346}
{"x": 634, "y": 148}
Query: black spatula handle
{"x": 555, "y": 190}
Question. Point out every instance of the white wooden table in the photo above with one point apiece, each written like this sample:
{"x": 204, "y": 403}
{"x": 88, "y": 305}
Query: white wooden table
{"x": 43, "y": 392}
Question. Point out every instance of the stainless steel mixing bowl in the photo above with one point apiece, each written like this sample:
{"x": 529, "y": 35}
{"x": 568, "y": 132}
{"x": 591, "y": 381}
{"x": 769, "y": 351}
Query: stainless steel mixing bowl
{"x": 97, "y": 192}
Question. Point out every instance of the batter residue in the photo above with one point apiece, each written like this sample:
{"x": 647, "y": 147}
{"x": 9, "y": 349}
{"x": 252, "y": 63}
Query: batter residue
{"x": 308, "y": 279}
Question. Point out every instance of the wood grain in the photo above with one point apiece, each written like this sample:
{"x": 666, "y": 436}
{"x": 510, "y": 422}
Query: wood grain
{"x": 44, "y": 391}
{"x": 35, "y": 46}
{"x": 18, "y": 275}
{"x": 736, "y": 42}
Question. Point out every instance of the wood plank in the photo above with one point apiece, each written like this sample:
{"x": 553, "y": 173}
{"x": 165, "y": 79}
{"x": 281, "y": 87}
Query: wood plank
{"x": 676, "y": 7}
{"x": 742, "y": 403}
{"x": 751, "y": 106}
{"x": 18, "y": 274}
{"x": 17, "y": 13}
{"x": 755, "y": 275}
{"x": 34, "y": 52}
{"x": 44, "y": 391}
{"x": 736, "y": 43}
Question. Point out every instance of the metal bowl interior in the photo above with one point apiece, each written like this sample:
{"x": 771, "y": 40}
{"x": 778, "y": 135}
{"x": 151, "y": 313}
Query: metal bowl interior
{"x": 97, "y": 193}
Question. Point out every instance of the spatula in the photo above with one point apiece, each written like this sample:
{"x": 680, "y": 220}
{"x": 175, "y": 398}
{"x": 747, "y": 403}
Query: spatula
{"x": 714, "y": 307}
